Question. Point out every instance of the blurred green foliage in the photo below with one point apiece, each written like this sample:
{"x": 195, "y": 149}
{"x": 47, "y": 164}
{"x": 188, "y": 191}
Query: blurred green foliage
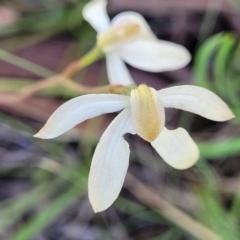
{"x": 217, "y": 67}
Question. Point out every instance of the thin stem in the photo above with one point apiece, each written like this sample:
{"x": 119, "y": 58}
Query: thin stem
{"x": 175, "y": 215}
{"x": 31, "y": 90}
{"x": 25, "y": 64}
{"x": 92, "y": 56}
{"x": 65, "y": 76}
{"x": 81, "y": 89}
{"x": 86, "y": 90}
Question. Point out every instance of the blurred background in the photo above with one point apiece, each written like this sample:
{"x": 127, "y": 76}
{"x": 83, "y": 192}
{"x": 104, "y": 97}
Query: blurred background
{"x": 43, "y": 183}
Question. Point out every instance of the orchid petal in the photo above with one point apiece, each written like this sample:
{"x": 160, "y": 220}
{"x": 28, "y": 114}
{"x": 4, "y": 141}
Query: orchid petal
{"x": 176, "y": 148}
{"x": 154, "y": 56}
{"x": 78, "y": 110}
{"x": 134, "y": 18}
{"x": 96, "y": 14}
{"x": 117, "y": 70}
{"x": 110, "y": 163}
{"x": 197, "y": 100}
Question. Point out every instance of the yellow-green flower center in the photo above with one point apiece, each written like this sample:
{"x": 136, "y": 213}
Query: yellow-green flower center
{"x": 147, "y": 112}
{"x": 117, "y": 35}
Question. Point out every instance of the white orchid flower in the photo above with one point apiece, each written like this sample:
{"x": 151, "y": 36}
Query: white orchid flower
{"x": 129, "y": 38}
{"x": 144, "y": 115}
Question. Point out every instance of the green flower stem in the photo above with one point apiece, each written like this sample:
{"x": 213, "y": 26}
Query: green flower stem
{"x": 64, "y": 77}
{"x": 91, "y": 57}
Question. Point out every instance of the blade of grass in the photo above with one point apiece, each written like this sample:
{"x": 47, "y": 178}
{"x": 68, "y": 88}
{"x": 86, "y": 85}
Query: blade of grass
{"x": 173, "y": 233}
{"x": 213, "y": 213}
{"x": 61, "y": 202}
{"x": 209, "y": 19}
{"x": 25, "y": 64}
{"x": 17, "y": 43}
{"x": 13, "y": 85}
{"x": 221, "y": 63}
{"x": 136, "y": 210}
{"x": 202, "y": 60}
{"x": 233, "y": 92}
{"x": 50, "y": 212}
{"x": 220, "y": 149}
{"x": 12, "y": 210}
{"x": 169, "y": 211}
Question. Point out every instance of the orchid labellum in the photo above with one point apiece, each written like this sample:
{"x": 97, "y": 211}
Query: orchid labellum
{"x": 143, "y": 114}
{"x": 128, "y": 38}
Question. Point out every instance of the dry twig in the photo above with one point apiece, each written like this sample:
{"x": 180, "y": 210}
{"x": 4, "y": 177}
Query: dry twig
{"x": 175, "y": 215}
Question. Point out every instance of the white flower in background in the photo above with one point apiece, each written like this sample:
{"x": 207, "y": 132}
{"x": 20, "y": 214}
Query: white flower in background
{"x": 128, "y": 38}
{"x": 144, "y": 115}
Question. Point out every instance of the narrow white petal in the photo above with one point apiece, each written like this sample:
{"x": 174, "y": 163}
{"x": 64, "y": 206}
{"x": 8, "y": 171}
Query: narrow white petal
{"x": 80, "y": 109}
{"x": 176, "y": 148}
{"x": 196, "y": 100}
{"x": 96, "y": 14}
{"x": 154, "y": 56}
{"x": 136, "y": 18}
{"x": 110, "y": 163}
{"x": 117, "y": 70}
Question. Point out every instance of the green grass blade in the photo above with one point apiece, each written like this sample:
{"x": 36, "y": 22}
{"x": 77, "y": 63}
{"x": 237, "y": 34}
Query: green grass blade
{"x": 215, "y": 150}
{"x": 202, "y": 60}
{"x": 49, "y": 213}
{"x": 221, "y": 63}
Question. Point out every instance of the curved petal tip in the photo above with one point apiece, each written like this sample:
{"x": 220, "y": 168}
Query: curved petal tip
{"x": 155, "y": 56}
{"x": 110, "y": 163}
{"x": 197, "y": 100}
{"x": 229, "y": 114}
{"x": 97, "y": 207}
{"x": 78, "y": 110}
{"x": 176, "y": 148}
{"x": 42, "y": 134}
{"x": 96, "y": 14}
